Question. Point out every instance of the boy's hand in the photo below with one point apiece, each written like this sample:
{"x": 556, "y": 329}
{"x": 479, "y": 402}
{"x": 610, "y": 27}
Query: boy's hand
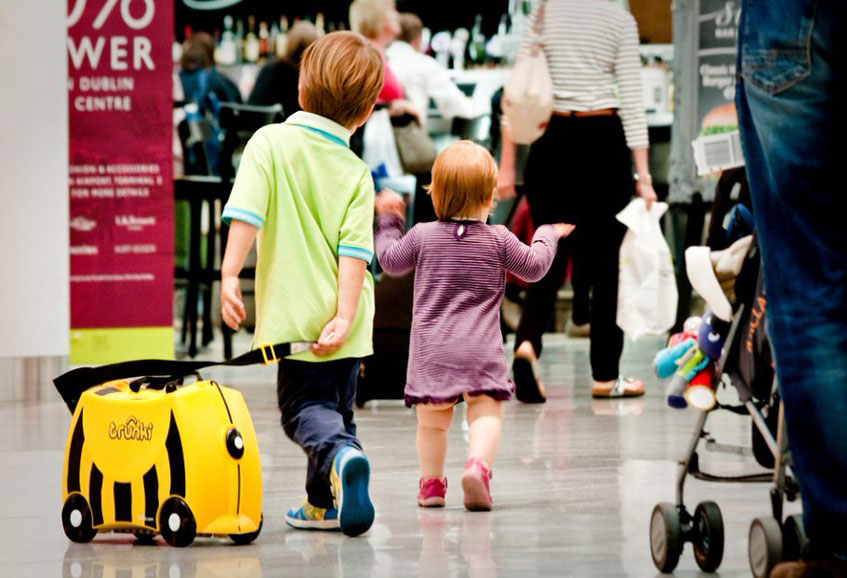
{"x": 332, "y": 337}
{"x": 390, "y": 203}
{"x": 563, "y": 229}
{"x": 232, "y": 307}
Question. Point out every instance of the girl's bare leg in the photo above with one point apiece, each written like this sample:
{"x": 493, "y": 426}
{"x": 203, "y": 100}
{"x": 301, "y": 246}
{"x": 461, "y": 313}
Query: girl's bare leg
{"x": 433, "y": 424}
{"x": 485, "y": 418}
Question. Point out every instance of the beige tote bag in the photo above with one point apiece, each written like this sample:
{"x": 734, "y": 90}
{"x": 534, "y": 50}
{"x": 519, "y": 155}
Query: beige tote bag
{"x": 528, "y": 94}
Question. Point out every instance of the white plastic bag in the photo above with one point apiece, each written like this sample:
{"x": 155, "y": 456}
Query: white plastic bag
{"x": 647, "y": 294}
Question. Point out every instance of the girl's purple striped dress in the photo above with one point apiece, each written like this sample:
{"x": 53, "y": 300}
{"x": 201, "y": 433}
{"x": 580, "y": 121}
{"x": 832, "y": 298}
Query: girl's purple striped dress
{"x": 460, "y": 276}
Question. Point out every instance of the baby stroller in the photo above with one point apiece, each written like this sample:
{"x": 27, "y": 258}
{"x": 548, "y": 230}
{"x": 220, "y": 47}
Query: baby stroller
{"x": 745, "y": 363}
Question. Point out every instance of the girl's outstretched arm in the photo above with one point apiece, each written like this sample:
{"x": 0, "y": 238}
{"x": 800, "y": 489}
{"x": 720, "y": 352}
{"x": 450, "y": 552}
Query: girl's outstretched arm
{"x": 532, "y": 262}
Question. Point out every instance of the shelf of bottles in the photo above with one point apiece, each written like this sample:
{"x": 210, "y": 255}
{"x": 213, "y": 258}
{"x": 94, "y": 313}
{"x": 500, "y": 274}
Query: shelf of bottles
{"x": 251, "y": 44}
{"x": 240, "y": 41}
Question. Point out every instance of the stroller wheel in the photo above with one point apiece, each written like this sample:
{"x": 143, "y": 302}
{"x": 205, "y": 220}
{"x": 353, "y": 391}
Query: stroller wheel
{"x": 708, "y": 536}
{"x": 764, "y": 546}
{"x": 665, "y": 536}
{"x": 793, "y": 537}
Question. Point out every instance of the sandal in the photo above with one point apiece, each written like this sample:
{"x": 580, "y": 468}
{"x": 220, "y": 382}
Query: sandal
{"x": 527, "y": 387}
{"x": 623, "y": 387}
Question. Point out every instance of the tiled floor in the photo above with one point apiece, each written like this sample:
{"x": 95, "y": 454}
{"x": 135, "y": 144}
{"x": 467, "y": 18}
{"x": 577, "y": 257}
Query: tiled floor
{"x": 575, "y": 485}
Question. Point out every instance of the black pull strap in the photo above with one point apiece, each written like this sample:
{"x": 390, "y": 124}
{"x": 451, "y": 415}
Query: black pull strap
{"x": 159, "y": 383}
{"x": 136, "y": 384}
{"x": 72, "y": 384}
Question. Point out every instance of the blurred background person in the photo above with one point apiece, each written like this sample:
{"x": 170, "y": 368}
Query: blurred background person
{"x": 201, "y": 82}
{"x": 581, "y": 171}
{"x": 204, "y": 89}
{"x": 379, "y": 22}
{"x": 277, "y": 82}
{"x": 422, "y": 77}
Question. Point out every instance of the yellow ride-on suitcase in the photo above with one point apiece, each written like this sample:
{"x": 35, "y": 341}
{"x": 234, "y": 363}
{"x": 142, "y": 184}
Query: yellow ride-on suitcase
{"x": 156, "y": 456}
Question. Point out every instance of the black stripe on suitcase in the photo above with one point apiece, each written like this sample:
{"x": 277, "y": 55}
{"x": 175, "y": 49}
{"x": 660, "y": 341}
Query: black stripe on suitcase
{"x": 75, "y": 456}
{"x": 95, "y": 488}
{"x": 176, "y": 459}
{"x": 123, "y": 502}
{"x": 151, "y": 497}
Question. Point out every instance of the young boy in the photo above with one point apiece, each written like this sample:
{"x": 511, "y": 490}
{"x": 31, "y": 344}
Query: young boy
{"x": 311, "y": 201}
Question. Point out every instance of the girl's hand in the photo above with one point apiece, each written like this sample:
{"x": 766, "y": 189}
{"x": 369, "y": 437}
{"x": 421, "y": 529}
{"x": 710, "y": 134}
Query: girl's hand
{"x": 332, "y": 337}
{"x": 506, "y": 183}
{"x": 390, "y": 203}
{"x": 645, "y": 190}
{"x": 563, "y": 229}
{"x": 232, "y": 306}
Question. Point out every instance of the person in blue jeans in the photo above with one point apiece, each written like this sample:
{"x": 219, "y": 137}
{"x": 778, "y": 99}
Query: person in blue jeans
{"x": 791, "y": 105}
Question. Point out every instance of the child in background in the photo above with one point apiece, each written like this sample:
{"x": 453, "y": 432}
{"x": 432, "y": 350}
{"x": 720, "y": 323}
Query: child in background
{"x": 310, "y": 199}
{"x": 456, "y": 350}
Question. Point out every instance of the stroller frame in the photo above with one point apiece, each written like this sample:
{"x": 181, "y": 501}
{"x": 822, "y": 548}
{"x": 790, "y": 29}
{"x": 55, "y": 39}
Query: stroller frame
{"x": 771, "y": 539}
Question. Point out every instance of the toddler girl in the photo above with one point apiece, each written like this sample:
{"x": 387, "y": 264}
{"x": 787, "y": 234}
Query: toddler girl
{"x": 456, "y": 350}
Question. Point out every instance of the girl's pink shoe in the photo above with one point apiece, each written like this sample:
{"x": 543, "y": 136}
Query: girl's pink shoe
{"x": 432, "y": 493}
{"x": 476, "y": 484}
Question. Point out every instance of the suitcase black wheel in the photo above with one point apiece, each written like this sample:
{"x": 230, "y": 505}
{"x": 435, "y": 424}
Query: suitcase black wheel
{"x": 708, "y": 536}
{"x": 665, "y": 536}
{"x": 764, "y": 546}
{"x": 145, "y": 538}
{"x": 76, "y": 519}
{"x": 793, "y": 537}
{"x": 242, "y": 539}
{"x": 176, "y": 523}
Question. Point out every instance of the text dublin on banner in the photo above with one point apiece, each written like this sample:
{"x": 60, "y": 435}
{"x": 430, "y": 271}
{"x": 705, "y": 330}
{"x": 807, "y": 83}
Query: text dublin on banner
{"x": 121, "y": 183}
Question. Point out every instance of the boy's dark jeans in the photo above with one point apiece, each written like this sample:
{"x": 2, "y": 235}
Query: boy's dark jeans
{"x": 316, "y": 400}
{"x": 791, "y": 104}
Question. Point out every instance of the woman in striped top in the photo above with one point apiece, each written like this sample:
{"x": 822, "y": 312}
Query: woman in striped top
{"x": 580, "y": 171}
{"x": 456, "y": 350}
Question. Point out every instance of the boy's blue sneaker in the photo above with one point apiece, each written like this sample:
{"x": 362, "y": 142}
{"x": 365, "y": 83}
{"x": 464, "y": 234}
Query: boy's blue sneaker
{"x": 350, "y": 475}
{"x": 309, "y": 517}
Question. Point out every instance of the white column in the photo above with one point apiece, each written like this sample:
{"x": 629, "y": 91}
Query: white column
{"x": 34, "y": 252}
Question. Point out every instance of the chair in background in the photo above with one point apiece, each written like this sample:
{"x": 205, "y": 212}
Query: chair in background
{"x": 190, "y": 193}
{"x": 196, "y": 191}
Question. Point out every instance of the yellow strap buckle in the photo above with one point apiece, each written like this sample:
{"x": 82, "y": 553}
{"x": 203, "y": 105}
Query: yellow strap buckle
{"x": 268, "y": 354}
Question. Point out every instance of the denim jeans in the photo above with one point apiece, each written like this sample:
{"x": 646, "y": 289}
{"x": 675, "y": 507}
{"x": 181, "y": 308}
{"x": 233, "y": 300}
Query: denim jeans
{"x": 316, "y": 400}
{"x": 791, "y": 104}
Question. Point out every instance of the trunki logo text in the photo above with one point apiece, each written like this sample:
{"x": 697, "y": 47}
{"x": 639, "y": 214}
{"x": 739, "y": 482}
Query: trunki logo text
{"x": 133, "y": 429}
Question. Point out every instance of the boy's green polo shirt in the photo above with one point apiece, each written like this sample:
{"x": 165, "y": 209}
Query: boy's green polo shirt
{"x": 313, "y": 201}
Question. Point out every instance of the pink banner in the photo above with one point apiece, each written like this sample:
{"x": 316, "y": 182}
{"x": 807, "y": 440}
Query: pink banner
{"x": 121, "y": 183}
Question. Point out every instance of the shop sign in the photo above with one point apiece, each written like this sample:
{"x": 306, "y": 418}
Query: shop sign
{"x": 716, "y": 63}
{"x": 121, "y": 185}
